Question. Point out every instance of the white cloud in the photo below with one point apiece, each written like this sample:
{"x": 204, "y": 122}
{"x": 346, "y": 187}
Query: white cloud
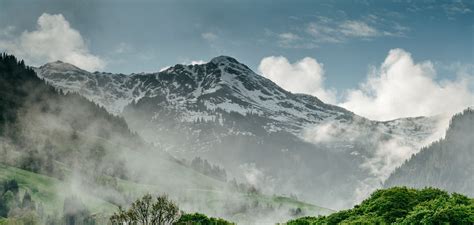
{"x": 358, "y": 29}
{"x": 329, "y": 131}
{"x": 403, "y": 88}
{"x": 53, "y": 39}
{"x": 164, "y": 68}
{"x": 198, "y": 62}
{"x": 292, "y": 40}
{"x": 323, "y": 32}
{"x": 327, "y": 30}
{"x": 288, "y": 37}
{"x": 399, "y": 88}
{"x": 209, "y": 36}
{"x": 304, "y": 76}
{"x": 187, "y": 62}
{"x": 331, "y": 30}
{"x": 257, "y": 178}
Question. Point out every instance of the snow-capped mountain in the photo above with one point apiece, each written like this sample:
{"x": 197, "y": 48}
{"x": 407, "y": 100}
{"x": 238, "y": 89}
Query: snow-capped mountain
{"x": 223, "y": 84}
{"x": 275, "y": 139}
{"x": 200, "y": 92}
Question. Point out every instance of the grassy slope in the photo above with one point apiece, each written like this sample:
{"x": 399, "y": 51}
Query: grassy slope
{"x": 191, "y": 184}
{"x": 162, "y": 175}
{"x": 51, "y": 192}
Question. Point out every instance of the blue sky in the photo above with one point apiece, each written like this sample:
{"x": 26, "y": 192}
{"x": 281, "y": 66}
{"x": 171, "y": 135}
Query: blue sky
{"x": 347, "y": 38}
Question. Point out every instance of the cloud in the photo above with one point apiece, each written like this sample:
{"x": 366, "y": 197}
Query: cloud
{"x": 292, "y": 40}
{"x": 322, "y": 32}
{"x": 382, "y": 154}
{"x": 187, "y": 62}
{"x": 304, "y": 76}
{"x": 358, "y": 29}
{"x": 288, "y": 37}
{"x": 403, "y": 88}
{"x": 164, "y": 68}
{"x": 456, "y": 7}
{"x": 330, "y": 131}
{"x": 399, "y": 88}
{"x": 333, "y": 31}
{"x": 53, "y": 39}
{"x": 209, "y": 36}
{"x": 257, "y": 178}
{"x": 198, "y": 62}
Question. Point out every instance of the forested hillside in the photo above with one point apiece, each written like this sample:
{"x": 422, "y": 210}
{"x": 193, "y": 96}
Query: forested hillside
{"x": 60, "y": 135}
{"x": 446, "y": 164}
{"x": 43, "y": 130}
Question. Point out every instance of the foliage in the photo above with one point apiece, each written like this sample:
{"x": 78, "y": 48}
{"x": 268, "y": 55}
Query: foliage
{"x": 401, "y": 205}
{"x": 200, "y": 219}
{"x": 148, "y": 211}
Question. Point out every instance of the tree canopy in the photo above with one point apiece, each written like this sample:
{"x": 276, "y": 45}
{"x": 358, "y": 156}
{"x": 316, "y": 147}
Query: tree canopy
{"x": 148, "y": 211}
{"x": 200, "y": 219}
{"x": 402, "y": 205}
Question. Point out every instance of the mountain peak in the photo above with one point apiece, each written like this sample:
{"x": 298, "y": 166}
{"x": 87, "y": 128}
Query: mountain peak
{"x": 230, "y": 65}
{"x": 224, "y": 60}
{"x": 60, "y": 65}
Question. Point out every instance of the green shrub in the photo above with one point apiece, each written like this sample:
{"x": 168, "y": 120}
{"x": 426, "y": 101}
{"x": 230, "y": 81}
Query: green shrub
{"x": 402, "y": 205}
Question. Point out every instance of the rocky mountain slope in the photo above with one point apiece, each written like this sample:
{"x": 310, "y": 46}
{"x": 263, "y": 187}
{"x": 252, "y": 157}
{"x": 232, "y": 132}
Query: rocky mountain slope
{"x": 277, "y": 140}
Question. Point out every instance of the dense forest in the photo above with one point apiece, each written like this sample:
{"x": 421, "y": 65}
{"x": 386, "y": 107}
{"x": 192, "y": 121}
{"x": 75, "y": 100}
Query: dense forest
{"x": 401, "y": 205}
{"x": 446, "y": 164}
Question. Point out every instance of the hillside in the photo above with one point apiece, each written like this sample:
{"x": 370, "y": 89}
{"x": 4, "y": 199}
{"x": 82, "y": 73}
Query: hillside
{"x": 446, "y": 164}
{"x": 51, "y": 193}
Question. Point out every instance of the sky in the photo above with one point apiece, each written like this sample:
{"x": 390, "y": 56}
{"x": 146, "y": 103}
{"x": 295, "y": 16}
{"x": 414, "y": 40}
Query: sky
{"x": 380, "y": 59}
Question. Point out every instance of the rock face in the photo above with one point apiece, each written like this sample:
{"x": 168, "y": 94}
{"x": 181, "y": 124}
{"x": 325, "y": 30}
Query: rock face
{"x": 276, "y": 140}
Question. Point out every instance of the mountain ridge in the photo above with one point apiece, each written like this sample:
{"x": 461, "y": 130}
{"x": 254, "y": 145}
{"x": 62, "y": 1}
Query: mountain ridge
{"x": 217, "y": 75}
{"x": 59, "y": 66}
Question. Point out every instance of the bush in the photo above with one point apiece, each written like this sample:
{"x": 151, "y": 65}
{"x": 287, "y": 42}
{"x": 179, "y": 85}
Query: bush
{"x": 200, "y": 219}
